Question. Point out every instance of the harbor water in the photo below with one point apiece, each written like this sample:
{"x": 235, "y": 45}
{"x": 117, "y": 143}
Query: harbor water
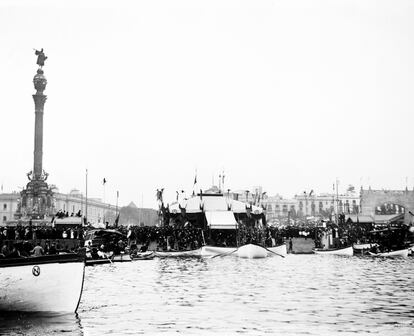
{"x": 297, "y": 295}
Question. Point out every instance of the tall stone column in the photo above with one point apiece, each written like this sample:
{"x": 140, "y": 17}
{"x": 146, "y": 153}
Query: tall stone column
{"x": 39, "y": 98}
{"x": 37, "y": 198}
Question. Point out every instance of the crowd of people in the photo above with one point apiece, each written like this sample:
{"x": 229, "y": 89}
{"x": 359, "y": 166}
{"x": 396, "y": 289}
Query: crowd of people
{"x": 20, "y": 241}
{"x": 166, "y": 237}
{"x": 33, "y": 240}
{"x": 40, "y": 232}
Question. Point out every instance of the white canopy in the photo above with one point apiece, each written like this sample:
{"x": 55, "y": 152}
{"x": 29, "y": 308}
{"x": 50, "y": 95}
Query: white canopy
{"x": 221, "y": 220}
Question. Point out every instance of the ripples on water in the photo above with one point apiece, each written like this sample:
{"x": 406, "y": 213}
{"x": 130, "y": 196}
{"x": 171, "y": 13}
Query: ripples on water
{"x": 298, "y": 295}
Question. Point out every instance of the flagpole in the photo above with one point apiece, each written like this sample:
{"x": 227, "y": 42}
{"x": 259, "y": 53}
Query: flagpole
{"x": 104, "y": 183}
{"x": 117, "y": 196}
{"x": 86, "y": 200}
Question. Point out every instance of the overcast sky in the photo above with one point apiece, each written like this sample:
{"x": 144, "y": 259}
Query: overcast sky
{"x": 289, "y": 95}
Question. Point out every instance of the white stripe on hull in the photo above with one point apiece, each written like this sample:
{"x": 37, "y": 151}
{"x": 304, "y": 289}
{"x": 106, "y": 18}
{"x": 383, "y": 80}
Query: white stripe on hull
{"x": 57, "y": 288}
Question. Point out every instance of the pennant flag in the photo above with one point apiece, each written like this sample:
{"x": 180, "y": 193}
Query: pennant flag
{"x": 104, "y": 181}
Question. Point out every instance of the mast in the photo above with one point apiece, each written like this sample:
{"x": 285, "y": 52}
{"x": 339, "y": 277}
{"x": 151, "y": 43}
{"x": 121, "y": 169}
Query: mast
{"x": 116, "y": 209}
{"x": 337, "y": 202}
{"x": 86, "y": 198}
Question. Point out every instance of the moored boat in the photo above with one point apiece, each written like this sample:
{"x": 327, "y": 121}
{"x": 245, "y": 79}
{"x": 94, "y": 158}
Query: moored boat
{"x": 51, "y": 283}
{"x": 346, "y": 251}
{"x": 209, "y": 250}
{"x": 399, "y": 253}
{"x": 143, "y": 255}
{"x": 174, "y": 254}
{"x": 121, "y": 257}
{"x": 252, "y": 251}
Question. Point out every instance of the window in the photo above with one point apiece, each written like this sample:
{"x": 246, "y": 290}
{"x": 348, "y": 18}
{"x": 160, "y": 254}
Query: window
{"x": 4, "y": 218}
{"x": 4, "y": 206}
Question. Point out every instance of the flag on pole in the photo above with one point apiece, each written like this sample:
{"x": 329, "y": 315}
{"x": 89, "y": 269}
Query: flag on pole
{"x": 195, "y": 182}
{"x": 104, "y": 181}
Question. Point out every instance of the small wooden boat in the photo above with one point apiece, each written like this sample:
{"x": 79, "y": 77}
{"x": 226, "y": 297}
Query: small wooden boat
{"x": 175, "y": 254}
{"x": 143, "y": 255}
{"x": 252, "y": 251}
{"x": 122, "y": 257}
{"x": 246, "y": 251}
{"x": 209, "y": 250}
{"x": 51, "y": 283}
{"x": 399, "y": 253}
{"x": 346, "y": 251}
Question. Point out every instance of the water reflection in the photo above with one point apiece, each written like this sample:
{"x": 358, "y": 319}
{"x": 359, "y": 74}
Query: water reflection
{"x": 301, "y": 294}
{"x": 14, "y": 323}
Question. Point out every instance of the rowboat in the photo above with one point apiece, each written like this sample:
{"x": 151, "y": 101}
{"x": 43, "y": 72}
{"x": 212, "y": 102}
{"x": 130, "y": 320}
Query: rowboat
{"x": 122, "y": 257}
{"x": 175, "y": 254}
{"x": 209, "y": 250}
{"x": 399, "y": 253}
{"x": 252, "y": 251}
{"x": 51, "y": 283}
{"x": 347, "y": 251}
{"x": 249, "y": 250}
{"x": 143, "y": 255}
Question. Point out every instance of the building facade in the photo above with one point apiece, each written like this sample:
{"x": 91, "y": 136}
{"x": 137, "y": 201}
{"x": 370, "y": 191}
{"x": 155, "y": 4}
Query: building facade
{"x": 322, "y": 205}
{"x": 72, "y": 203}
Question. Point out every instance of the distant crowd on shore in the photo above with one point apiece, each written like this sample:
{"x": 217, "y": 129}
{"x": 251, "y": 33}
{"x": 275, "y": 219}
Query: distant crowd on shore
{"x": 41, "y": 232}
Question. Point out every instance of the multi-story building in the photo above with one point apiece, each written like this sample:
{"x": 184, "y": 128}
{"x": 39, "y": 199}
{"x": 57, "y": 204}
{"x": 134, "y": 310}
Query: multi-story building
{"x": 279, "y": 207}
{"x": 72, "y": 203}
{"x": 327, "y": 204}
{"x": 306, "y": 205}
{"x": 8, "y": 206}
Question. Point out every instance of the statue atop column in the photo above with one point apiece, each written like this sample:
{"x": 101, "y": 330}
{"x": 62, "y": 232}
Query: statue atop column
{"x": 37, "y": 198}
{"x": 41, "y": 57}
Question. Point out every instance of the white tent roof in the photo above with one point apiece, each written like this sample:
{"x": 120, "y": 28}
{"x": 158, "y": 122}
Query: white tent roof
{"x": 221, "y": 220}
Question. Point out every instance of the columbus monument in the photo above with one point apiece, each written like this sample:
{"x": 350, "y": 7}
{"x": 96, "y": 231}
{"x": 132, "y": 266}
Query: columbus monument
{"x": 37, "y": 201}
